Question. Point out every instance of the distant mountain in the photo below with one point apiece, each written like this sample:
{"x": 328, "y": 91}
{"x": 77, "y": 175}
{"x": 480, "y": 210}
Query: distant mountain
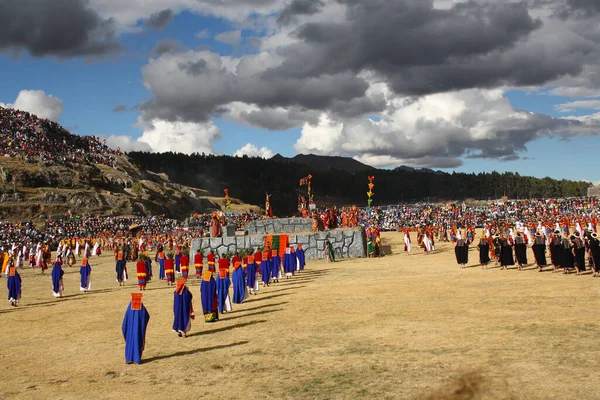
{"x": 319, "y": 163}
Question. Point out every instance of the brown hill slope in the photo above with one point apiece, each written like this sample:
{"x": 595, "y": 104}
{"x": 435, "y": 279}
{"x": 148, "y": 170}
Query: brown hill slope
{"x": 46, "y": 190}
{"x": 46, "y": 171}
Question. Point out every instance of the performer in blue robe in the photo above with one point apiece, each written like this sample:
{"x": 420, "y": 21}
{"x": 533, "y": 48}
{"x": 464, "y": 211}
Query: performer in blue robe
{"x": 148, "y": 268}
{"x": 134, "y": 327}
{"x": 85, "y": 271}
{"x": 14, "y": 285}
{"x": 238, "y": 280}
{"x": 289, "y": 263}
{"x": 265, "y": 268}
{"x": 223, "y": 284}
{"x": 208, "y": 295}
{"x": 57, "y": 279}
{"x": 251, "y": 275}
{"x": 178, "y": 261}
{"x": 161, "y": 265}
{"x": 275, "y": 265}
{"x": 183, "y": 310}
{"x": 301, "y": 260}
{"x": 121, "y": 268}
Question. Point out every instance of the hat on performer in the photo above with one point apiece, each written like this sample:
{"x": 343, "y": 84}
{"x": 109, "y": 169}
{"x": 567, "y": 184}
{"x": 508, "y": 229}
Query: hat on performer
{"x": 557, "y": 232}
{"x": 136, "y": 301}
{"x": 180, "y": 286}
{"x": 576, "y": 233}
{"x": 537, "y": 234}
{"x": 594, "y": 235}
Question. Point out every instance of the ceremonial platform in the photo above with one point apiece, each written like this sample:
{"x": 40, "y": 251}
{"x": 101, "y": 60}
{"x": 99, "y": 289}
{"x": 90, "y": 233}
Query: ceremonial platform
{"x": 346, "y": 242}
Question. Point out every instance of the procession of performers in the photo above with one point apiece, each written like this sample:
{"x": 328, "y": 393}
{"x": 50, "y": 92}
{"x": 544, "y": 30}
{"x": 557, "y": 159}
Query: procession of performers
{"x": 563, "y": 250}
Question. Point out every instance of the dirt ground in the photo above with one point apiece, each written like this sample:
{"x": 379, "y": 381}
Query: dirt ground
{"x": 397, "y": 327}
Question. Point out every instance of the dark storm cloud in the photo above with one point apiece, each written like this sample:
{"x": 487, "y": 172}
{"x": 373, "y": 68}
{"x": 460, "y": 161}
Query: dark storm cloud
{"x": 299, "y": 7}
{"x": 160, "y": 19}
{"x": 194, "y": 68}
{"x": 166, "y": 46}
{"x": 392, "y": 37}
{"x": 60, "y": 28}
{"x": 578, "y": 9}
{"x": 215, "y": 87}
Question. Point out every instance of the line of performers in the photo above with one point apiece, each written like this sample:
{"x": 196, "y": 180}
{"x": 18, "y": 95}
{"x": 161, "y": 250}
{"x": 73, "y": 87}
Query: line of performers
{"x": 566, "y": 252}
{"x": 266, "y": 266}
{"x": 15, "y": 282}
{"x": 214, "y": 291}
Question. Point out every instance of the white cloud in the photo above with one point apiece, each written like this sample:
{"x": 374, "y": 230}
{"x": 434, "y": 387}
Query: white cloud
{"x": 578, "y": 105}
{"x": 127, "y": 143}
{"x": 574, "y": 91}
{"x": 203, "y": 34}
{"x": 437, "y": 130}
{"x": 161, "y": 136}
{"x": 39, "y": 103}
{"x": 182, "y": 137}
{"x": 127, "y": 13}
{"x": 252, "y": 150}
{"x": 231, "y": 37}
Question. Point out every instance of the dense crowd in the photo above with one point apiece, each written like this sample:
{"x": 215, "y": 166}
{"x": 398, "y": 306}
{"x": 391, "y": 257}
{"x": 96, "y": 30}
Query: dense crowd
{"x": 203, "y": 221}
{"x": 108, "y": 229}
{"x": 24, "y": 135}
{"x": 479, "y": 215}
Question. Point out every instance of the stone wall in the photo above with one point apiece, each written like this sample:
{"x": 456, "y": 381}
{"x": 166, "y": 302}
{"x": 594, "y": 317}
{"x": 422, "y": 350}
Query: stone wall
{"x": 279, "y": 225}
{"x": 347, "y": 243}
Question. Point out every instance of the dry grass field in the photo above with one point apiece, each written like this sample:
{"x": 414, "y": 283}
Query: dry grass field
{"x": 392, "y": 328}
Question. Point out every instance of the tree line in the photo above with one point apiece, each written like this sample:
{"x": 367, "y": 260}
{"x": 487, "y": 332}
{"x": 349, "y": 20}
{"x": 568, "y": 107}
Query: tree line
{"x": 249, "y": 178}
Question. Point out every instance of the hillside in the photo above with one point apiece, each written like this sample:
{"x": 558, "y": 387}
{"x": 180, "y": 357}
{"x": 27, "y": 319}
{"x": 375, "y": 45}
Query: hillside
{"x": 55, "y": 172}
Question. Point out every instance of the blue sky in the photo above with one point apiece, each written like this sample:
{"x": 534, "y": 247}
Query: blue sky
{"x": 90, "y": 89}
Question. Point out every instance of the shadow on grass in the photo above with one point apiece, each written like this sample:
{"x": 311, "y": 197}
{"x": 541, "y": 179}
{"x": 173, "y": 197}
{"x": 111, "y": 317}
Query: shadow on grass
{"x": 195, "y": 351}
{"x": 287, "y": 287}
{"x": 250, "y": 314}
{"x": 227, "y": 328}
{"x": 259, "y": 297}
{"x": 263, "y": 306}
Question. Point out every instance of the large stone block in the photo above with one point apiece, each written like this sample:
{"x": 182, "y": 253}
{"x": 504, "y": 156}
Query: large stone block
{"x": 336, "y": 237}
{"x": 240, "y": 242}
{"x": 228, "y": 241}
{"x": 311, "y": 254}
{"x": 221, "y": 249}
{"x": 215, "y": 242}
{"x": 303, "y": 239}
{"x": 257, "y": 241}
{"x": 358, "y": 249}
{"x": 312, "y": 242}
{"x": 320, "y": 245}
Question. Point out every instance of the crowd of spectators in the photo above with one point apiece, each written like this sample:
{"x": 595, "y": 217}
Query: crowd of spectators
{"x": 547, "y": 212}
{"x": 478, "y": 214}
{"x": 34, "y": 139}
{"x": 237, "y": 219}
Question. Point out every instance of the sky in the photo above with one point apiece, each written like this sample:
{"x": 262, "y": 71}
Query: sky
{"x": 465, "y": 86}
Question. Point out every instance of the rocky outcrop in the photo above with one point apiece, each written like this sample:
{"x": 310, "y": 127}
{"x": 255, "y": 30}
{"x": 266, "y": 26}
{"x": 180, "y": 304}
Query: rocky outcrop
{"x": 347, "y": 243}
